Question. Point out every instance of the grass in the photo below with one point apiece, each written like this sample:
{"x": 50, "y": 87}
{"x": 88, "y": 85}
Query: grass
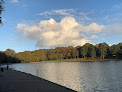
{"x": 78, "y": 59}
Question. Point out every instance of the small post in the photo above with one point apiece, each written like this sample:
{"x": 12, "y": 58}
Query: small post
{"x": 7, "y": 67}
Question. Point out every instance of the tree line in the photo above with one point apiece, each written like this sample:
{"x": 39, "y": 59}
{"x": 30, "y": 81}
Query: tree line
{"x": 88, "y": 50}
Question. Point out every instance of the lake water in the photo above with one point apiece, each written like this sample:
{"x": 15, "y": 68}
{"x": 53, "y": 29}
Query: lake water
{"x": 95, "y": 76}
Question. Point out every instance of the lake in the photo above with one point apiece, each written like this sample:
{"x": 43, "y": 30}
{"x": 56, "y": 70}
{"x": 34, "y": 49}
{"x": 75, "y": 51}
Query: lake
{"x": 91, "y": 76}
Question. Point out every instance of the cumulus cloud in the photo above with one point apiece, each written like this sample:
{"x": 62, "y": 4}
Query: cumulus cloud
{"x": 68, "y": 32}
{"x": 92, "y": 28}
{"x": 14, "y": 1}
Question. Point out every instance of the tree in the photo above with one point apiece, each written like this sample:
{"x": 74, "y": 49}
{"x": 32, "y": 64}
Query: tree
{"x": 61, "y": 52}
{"x": 91, "y": 51}
{"x": 3, "y": 57}
{"x": 120, "y": 51}
{"x": 97, "y": 50}
{"x": 42, "y": 55}
{"x": 69, "y": 52}
{"x": 10, "y": 54}
{"x": 52, "y": 54}
{"x": 79, "y": 51}
{"x": 103, "y": 50}
{"x": 74, "y": 53}
{"x": 1, "y": 9}
{"x": 19, "y": 57}
{"x": 114, "y": 50}
{"x": 84, "y": 51}
{"x": 119, "y": 45}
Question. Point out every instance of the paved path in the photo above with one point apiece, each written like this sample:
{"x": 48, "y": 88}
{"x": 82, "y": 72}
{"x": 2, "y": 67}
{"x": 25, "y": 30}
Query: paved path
{"x": 14, "y": 81}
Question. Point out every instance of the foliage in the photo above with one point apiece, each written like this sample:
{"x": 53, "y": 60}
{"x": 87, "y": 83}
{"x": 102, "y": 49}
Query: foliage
{"x": 88, "y": 50}
{"x": 103, "y": 50}
{"x": 1, "y": 9}
{"x": 91, "y": 51}
{"x": 84, "y": 51}
{"x": 114, "y": 49}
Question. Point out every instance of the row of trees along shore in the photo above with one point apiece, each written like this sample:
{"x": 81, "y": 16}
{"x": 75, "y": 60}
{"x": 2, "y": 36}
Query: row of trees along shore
{"x": 102, "y": 50}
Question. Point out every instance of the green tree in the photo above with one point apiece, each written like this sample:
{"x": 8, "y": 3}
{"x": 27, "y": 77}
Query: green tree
{"x": 120, "y": 45}
{"x": 52, "y": 54}
{"x": 84, "y": 51}
{"x": 10, "y": 55}
{"x": 19, "y": 57}
{"x": 3, "y": 57}
{"x": 60, "y": 51}
{"x": 91, "y": 51}
{"x": 79, "y": 51}
{"x": 120, "y": 51}
{"x": 97, "y": 50}
{"x": 103, "y": 50}
{"x": 114, "y": 50}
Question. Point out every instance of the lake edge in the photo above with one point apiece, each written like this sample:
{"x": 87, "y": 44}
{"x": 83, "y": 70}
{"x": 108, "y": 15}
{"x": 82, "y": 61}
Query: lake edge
{"x": 78, "y": 59}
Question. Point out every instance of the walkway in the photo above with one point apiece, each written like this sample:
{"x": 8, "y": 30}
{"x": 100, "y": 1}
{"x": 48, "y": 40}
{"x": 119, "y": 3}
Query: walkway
{"x": 14, "y": 81}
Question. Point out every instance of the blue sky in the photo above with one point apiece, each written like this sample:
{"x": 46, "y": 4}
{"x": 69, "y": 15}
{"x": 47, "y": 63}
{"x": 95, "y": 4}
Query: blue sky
{"x": 31, "y": 25}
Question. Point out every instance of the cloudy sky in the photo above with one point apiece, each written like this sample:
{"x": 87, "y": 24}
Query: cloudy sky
{"x": 36, "y": 24}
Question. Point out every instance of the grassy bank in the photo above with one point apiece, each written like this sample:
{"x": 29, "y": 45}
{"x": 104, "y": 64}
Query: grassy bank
{"x": 76, "y": 59}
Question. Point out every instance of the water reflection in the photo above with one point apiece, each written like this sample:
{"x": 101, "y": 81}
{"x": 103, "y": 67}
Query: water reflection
{"x": 81, "y": 76}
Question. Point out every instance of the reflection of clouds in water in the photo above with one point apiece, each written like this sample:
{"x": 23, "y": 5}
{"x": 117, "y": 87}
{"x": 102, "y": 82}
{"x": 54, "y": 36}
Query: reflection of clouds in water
{"x": 80, "y": 76}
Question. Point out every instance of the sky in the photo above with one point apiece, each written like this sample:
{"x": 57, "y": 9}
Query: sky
{"x": 43, "y": 24}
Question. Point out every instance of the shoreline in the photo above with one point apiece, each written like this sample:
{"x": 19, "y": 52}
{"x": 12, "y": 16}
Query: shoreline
{"x": 69, "y": 60}
{"x": 77, "y": 59}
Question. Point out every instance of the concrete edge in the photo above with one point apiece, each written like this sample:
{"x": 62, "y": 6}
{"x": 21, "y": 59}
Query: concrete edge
{"x": 45, "y": 80}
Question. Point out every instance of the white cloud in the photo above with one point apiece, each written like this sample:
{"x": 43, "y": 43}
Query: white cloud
{"x": 67, "y": 32}
{"x": 118, "y": 6}
{"x": 93, "y": 37}
{"x": 81, "y": 17}
{"x": 113, "y": 29}
{"x": 92, "y": 28}
{"x": 65, "y": 12}
{"x": 14, "y": 1}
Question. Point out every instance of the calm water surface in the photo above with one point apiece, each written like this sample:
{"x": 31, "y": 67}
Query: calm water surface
{"x": 95, "y": 76}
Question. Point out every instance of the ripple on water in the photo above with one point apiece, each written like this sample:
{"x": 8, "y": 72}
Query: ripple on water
{"x": 81, "y": 76}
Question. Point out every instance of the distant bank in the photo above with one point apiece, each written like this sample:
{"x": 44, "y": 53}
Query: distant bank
{"x": 87, "y": 52}
{"x": 78, "y": 59}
